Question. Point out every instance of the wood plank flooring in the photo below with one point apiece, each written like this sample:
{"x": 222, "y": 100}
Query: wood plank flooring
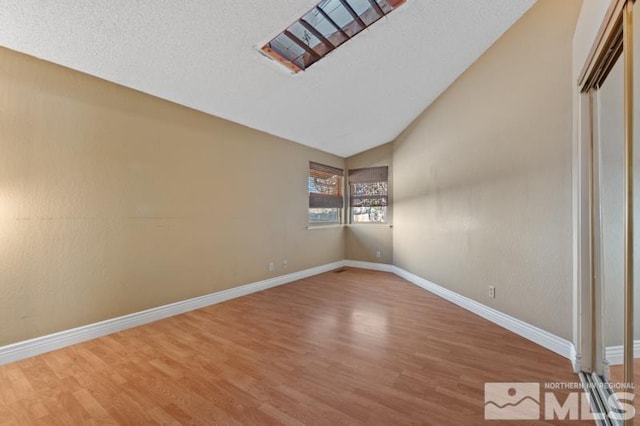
{"x": 351, "y": 348}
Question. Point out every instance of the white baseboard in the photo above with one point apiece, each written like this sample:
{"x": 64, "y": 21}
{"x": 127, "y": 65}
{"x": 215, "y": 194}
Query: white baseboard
{"x": 385, "y": 267}
{"x": 40, "y": 345}
{"x": 537, "y": 335}
{"x": 51, "y": 342}
{"x": 576, "y": 359}
{"x": 615, "y": 354}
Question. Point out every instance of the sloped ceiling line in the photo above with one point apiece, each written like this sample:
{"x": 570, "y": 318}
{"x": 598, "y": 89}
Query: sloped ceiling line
{"x": 204, "y": 56}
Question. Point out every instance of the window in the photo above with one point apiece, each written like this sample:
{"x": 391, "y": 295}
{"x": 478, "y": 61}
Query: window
{"x": 369, "y": 199}
{"x": 326, "y": 198}
{"x": 325, "y": 27}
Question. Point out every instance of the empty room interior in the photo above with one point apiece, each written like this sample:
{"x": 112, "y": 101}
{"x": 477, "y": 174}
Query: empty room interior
{"x": 335, "y": 212}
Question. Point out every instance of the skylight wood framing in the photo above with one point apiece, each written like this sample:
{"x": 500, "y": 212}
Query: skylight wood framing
{"x": 327, "y": 26}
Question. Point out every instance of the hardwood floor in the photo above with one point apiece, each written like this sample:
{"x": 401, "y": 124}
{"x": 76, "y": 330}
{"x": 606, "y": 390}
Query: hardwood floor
{"x": 349, "y": 348}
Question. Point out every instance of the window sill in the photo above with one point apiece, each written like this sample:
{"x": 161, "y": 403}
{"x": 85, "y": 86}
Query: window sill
{"x": 331, "y": 226}
{"x": 350, "y": 225}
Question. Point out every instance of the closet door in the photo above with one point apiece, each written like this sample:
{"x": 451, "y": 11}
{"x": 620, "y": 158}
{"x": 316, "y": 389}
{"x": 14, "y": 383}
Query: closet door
{"x": 609, "y": 221}
{"x": 610, "y": 82}
{"x": 636, "y": 207}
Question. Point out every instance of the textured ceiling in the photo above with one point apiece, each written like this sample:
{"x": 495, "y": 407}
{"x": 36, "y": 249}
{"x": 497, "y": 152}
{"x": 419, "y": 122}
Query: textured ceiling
{"x": 203, "y": 54}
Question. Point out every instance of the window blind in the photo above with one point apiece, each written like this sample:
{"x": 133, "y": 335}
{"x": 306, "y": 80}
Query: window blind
{"x": 369, "y": 187}
{"x": 325, "y": 186}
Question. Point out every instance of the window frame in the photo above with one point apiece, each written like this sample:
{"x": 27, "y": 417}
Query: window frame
{"x": 350, "y": 207}
{"x": 320, "y": 169}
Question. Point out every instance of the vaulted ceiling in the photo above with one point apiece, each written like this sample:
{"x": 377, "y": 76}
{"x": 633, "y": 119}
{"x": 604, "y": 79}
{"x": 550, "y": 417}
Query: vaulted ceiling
{"x": 204, "y": 54}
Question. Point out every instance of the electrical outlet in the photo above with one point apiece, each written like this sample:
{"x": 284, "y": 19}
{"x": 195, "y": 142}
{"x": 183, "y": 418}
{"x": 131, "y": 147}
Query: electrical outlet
{"x": 285, "y": 263}
{"x": 271, "y": 266}
{"x": 492, "y": 292}
{"x": 378, "y": 254}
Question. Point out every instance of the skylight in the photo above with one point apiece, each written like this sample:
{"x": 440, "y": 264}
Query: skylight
{"x": 324, "y": 28}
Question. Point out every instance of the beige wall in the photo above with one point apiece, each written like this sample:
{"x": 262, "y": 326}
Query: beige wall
{"x": 112, "y": 201}
{"x": 364, "y": 240}
{"x": 482, "y": 178}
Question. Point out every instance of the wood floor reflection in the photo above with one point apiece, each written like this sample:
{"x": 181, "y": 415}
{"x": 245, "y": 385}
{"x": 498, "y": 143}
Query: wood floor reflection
{"x": 617, "y": 376}
{"x": 351, "y": 348}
